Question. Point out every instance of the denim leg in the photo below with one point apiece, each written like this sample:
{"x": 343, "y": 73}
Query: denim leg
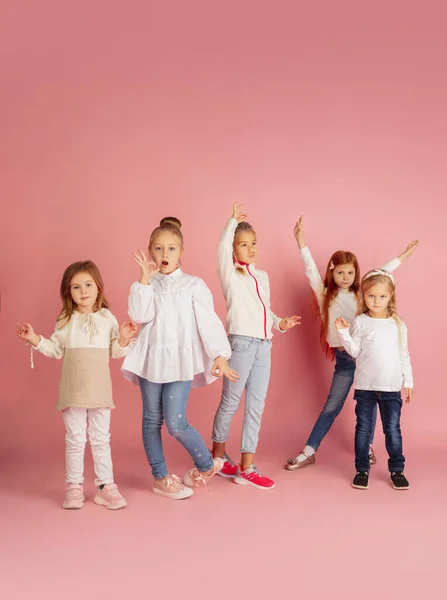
{"x": 242, "y": 359}
{"x": 390, "y": 410}
{"x": 341, "y": 384}
{"x": 151, "y": 394}
{"x": 255, "y": 394}
{"x": 364, "y": 410}
{"x": 175, "y": 398}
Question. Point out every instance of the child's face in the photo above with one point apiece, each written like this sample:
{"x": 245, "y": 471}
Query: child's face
{"x": 166, "y": 251}
{"x": 344, "y": 276}
{"x": 377, "y": 298}
{"x": 84, "y": 291}
{"x": 244, "y": 247}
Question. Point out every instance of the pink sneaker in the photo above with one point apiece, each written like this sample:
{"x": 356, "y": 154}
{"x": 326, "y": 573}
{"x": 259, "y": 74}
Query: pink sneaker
{"x": 229, "y": 469}
{"x": 110, "y": 497}
{"x": 253, "y": 477}
{"x": 74, "y": 496}
{"x": 172, "y": 487}
{"x": 195, "y": 478}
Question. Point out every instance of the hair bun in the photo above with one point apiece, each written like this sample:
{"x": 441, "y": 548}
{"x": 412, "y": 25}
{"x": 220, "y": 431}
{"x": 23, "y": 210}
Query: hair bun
{"x": 173, "y": 221}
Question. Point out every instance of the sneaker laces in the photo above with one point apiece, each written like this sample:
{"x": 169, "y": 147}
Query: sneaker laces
{"x": 74, "y": 491}
{"x": 198, "y": 477}
{"x": 112, "y": 490}
{"x": 399, "y": 476}
{"x": 175, "y": 482}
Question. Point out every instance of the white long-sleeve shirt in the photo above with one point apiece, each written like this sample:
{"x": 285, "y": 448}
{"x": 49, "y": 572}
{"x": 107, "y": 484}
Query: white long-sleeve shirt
{"x": 345, "y": 303}
{"x": 247, "y": 294}
{"x": 181, "y": 334}
{"x": 382, "y": 357}
{"x": 85, "y": 343}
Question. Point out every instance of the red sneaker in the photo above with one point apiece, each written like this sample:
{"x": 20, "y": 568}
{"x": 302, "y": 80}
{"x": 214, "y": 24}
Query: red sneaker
{"x": 229, "y": 469}
{"x": 253, "y": 477}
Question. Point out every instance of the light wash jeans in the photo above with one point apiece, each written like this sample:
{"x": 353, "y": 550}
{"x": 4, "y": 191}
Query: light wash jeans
{"x": 341, "y": 384}
{"x": 250, "y": 357}
{"x": 169, "y": 400}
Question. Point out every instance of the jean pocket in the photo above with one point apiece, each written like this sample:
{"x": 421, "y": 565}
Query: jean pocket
{"x": 239, "y": 345}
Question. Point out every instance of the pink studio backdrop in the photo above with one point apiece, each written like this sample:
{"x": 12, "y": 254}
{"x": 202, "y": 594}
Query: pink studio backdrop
{"x": 115, "y": 116}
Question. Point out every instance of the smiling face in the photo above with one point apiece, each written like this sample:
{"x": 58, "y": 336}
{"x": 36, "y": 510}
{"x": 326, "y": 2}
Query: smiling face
{"x": 166, "y": 250}
{"x": 344, "y": 275}
{"x": 84, "y": 291}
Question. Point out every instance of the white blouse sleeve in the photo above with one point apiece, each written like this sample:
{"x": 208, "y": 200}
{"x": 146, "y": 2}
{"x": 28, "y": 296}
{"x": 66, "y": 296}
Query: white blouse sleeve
{"x": 391, "y": 265}
{"x": 211, "y": 330}
{"x": 313, "y": 275}
{"x": 225, "y": 253}
{"x": 141, "y": 303}
{"x": 407, "y": 372}
{"x": 351, "y": 339}
{"x": 116, "y": 351}
{"x": 54, "y": 347}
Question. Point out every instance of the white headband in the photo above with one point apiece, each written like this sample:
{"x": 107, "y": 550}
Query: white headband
{"x": 378, "y": 272}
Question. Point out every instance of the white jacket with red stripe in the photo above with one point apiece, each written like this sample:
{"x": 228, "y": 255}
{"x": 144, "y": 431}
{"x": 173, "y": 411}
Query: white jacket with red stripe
{"x": 247, "y": 294}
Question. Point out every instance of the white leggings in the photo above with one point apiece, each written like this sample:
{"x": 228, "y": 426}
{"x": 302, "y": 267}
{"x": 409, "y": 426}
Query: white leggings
{"x": 75, "y": 420}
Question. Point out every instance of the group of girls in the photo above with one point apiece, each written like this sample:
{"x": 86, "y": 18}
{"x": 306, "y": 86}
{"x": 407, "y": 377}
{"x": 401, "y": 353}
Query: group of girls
{"x": 181, "y": 344}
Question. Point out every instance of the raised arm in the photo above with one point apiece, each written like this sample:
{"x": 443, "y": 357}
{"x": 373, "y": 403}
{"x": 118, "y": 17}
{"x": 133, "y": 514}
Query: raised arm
{"x": 394, "y": 263}
{"x": 225, "y": 247}
{"x": 312, "y": 273}
{"x": 141, "y": 297}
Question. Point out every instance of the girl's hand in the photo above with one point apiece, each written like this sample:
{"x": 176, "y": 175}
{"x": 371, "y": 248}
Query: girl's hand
{"x": 221, "y": 368}
{"x": 340, "y": 323}
{"x": 148, "y": 267}
{"x": 238, "y": 214}
{"x": 298, "y": 232}
{"x": 409, "y": 250}
{"x": 26, "y": 332}
{"x": 408, "y": 394}
{"x": 289, "y": 322}
{"x": 127, "y": 332}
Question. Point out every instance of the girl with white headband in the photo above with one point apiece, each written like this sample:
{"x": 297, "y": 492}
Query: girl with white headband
{"x": 378, "y": 340}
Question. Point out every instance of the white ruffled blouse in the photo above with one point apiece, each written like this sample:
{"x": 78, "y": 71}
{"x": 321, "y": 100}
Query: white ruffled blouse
{"x": 181, "y": 335}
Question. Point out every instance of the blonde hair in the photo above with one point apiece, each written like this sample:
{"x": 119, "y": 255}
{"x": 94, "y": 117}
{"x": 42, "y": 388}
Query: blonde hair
{"x": 369, "y": 280}
{"x": 242, "y": 227}
{"x": 170, "y": 224}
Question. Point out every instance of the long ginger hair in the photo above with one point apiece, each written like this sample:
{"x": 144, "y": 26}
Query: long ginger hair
{"x": 341, "y": 257}
{"x": 68, "y": 305}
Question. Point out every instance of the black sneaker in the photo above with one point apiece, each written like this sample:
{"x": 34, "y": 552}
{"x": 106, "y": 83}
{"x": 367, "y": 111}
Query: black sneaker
{"x": 361, "y": 480}
{"x": 399, "y": 481}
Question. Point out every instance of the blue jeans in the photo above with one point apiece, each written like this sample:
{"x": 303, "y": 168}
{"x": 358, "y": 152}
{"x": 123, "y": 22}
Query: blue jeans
{"x": 250, "y": 357}
{"x": 390, "y": 405}
{"x": 341, "y": 384}
{"x": 169, "y": 400}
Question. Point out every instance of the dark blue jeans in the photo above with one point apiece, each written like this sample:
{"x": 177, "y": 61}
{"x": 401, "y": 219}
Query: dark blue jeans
{"x": 341, "y": 384}
{"x": 390, "y": 405}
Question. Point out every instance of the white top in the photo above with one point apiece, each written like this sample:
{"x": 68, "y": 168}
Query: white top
{"x": 181, "y": 334}
{"x": 383, "y": 361}
{"x": 247, "y": 294}
{"x": 345, "y": 303}
{"x": 85, "y": 343}
{"x": 95, "y": 330}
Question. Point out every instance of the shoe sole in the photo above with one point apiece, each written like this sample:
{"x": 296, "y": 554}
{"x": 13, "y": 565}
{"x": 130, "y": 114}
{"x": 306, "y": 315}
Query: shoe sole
{"x": 245, "y": 482}
{"x": 288, "y": 468}
{"x": 173, "y": 496}
{"x": 101, "y": 502}
{"x": 225, "y": 475}
{"x": 360, "y": 487}
{"x": 400, "y": 489}
{"x": 76, "y": 507}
